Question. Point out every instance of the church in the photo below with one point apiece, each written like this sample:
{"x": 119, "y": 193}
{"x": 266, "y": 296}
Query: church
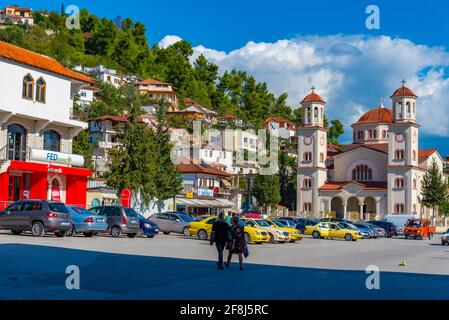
{"x": 379, "y": 173}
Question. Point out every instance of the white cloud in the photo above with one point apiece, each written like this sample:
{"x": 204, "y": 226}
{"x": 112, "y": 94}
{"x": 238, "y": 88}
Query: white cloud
{"x": 169, "y": 40}
{"x": 352, "y": 73}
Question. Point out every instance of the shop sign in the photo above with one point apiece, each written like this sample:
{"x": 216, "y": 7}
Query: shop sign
{"x": 57, "y": 157}
{"x": 205, "y": 192}
{"x": 189, "y": 195}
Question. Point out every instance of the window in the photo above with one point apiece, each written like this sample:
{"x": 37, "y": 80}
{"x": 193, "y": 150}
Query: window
{"x": 374, "y": 134}
{"x": 52, "y": 141}
{"x": 27, "y": 89}
{"x": 360, "y": 135}
{"x": 40, "y": 90}
{"x": 370, "y": 134}
{"x": 415, "y": 184}
{"x": 399, "y": 154}
{"x": 399, "y": 208}
{"x": 321, "y": 157}
{"x": 307, "y": 207}
{"x": 307, "y": 183}
{"x": 308, "y": 156}
{"x": 414, "y": 155}
{"x": 399, "y": 183}
{"x": 316, "y": 113}
{"x": 362, "y": 173}
{"x": 384, "y": 134}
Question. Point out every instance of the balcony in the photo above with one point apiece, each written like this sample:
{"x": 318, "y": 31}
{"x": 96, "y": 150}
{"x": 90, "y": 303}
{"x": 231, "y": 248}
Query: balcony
{"x": 107, "y": 144}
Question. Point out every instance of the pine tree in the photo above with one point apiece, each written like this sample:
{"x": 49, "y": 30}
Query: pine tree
{"x": 434, "y": 188}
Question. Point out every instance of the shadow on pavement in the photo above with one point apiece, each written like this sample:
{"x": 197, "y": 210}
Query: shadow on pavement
{"x": 38, "y": 272}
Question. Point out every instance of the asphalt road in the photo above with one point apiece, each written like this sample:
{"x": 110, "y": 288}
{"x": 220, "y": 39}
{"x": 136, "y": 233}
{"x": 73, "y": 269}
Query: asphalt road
{"x": 173, "y": 267}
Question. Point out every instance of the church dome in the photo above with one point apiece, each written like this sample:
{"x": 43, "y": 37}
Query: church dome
{"x": 313, "y": 97}
{"x": 377, "y": 115}
{"x": 403, "y": 92}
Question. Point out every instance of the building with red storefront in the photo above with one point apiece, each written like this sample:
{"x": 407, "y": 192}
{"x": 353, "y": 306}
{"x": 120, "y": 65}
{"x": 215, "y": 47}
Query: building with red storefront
{"x": 37, "y": 129}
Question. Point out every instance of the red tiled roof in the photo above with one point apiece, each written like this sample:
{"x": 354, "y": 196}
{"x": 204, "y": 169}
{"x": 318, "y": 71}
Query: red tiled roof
{"x": 403, "y": 92}
{"x": 313, "y": 97}
{"x": 20, "y": 55}
{"x": 426, "y": 153}
{"x": 279, "y": 120}
{"x": 112, "y": 118}
{"x": 369, "y": 185}
{"x": 377, "y": 115}
{"x": 198, "y": 168}
{"x": 153, "y": 81}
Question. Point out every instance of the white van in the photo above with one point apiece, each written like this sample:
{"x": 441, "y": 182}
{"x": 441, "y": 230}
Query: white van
{"x": 400, "y": 220}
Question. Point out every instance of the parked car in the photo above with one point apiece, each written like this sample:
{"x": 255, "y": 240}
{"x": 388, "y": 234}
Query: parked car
{"x": 85, "y": 222}
{"x": 389, "y": 227}
{"x": 378, "y": 231}
{"x": 295, "y": 235}
{"x": 365, "y": 232}
{"x": 147, "y": 228}
{"x": 365, "y": 229}
{"x": 37, "y": 216}
{"x": 419, "y": 229}
{"x": 304, "y": 223}
{"x": 399, "y": 220}
{"x": 120, "y": 220}
{"x": 172, "y": 222}
{"x": 335, "y": 231}
{"x": 203, "y": 230}
{"x": 445, "y": 238}
{"x": 334, "y": 220}
{"x": 276, "y": 235}
{"x": 287, "y": 222}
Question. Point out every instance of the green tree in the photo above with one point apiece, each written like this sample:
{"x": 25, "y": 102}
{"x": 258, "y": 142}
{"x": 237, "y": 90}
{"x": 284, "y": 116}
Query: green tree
{"x": 166, "y": 176}
{"x": 336, "y": 130}
{"x": 82, "y": 146}
{"x": 287, "y": 179}
{"x": 434, "y": 188}
{"x": 266, "y": 189}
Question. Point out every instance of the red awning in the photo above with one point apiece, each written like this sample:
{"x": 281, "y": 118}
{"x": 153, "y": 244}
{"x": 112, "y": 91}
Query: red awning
{"x": 50, "y": 168}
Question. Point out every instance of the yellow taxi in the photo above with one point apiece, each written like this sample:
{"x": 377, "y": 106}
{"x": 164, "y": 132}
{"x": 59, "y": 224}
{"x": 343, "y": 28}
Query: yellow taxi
{"x": 275, "y": 234}
{"x": 334, "y": 231}
{"x": 203, "y": 230}
{"x": 295, "y": 235}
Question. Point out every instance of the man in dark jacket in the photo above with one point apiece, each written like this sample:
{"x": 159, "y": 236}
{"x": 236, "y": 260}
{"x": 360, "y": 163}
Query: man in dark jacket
{"x": 220, "y": 236}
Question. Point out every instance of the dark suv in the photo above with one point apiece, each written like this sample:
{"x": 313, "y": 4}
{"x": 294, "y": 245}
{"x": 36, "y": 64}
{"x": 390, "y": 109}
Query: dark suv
{"x": 37, "y": 216}
{"x": 389, "y": 227}
{"x": 120, "y": 220}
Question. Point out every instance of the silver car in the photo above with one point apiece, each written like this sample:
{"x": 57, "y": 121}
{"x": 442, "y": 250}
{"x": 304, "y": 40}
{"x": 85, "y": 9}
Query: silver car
{"x": 120, "y": 220}
{"x": 37, "y": 216}
{"x": 172, "y": 222}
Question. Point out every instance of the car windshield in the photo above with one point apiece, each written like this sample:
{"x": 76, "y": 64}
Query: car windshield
{"x": 58, "y": 207}
{"x": 279, "y": 224}
{"x": 131, "y": 212}
{"x": 201, "y": 218}
{"x": 287, "y": 222}
{"x": 263, "y": 223}
{"x": 140, "y": 216}
{"x": 81, "y": 210}
{"x": 414, "y": 223}
{"x": 186, "y": 218}
{"x": 347, "y": 226}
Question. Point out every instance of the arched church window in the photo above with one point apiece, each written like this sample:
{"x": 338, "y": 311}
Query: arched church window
{"x": 399, "y": 183}
{"x": 384, "y": 134}
{"x": 316, "y": 113}
{"x": 307, "y": 183}
{"x": 362, "y": 173}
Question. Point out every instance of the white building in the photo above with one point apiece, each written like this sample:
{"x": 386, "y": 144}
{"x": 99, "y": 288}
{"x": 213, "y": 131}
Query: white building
{"x": 16, "y": 15}
{"x": 380, "y": 173}
{"x": 87, "y": 95}
{"x": 36, "y": 128}
{"x": 281, "y": 127}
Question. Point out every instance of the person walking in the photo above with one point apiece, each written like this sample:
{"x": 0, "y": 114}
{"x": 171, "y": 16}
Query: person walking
{"x": 237, "y": 244}
{"x": 220, "y": 236}
{"x": 228, "y": 218}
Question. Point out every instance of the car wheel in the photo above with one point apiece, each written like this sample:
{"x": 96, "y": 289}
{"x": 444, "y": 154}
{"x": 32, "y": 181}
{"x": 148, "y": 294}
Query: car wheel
{"x": 202, "y": 235}
{"x": 60, "y": 234}
{"x": 132, "y": 235}
{"x": 151, "y": 237}
{"x": 247, "y": 238}
{"x": 88, "y": 234}
{"x": 116, "y": 232}
{"x": 271, "y": 238}
{"x": 316, "y": 235}
{"x": 71, "y": 232}
{"x": 186, "y": 232}
{"x": 166, "y": 233}
{"x": 37, "y": 229}
{"x": 17, "y": 232}
{"x": 348, "y": 237}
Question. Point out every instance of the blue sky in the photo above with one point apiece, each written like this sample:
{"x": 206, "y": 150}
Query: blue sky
{"x": 325, "y": 43}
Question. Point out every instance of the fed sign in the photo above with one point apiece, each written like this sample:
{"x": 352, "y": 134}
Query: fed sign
{"x": 57, "y": 157}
